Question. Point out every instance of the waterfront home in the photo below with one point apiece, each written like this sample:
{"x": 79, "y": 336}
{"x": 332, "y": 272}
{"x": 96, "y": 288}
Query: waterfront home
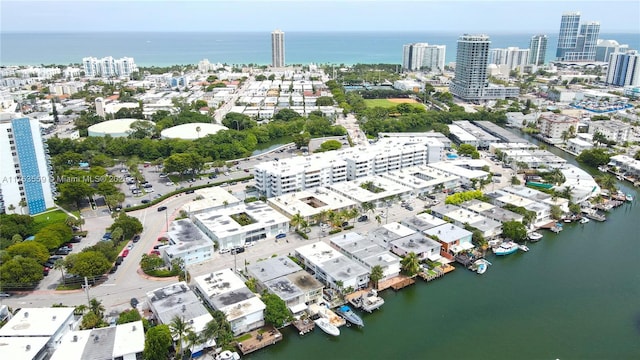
{"x": 225, "y": 291}
{"x": 179, "y": 300}
{"x": 367, "y": 252}
{"x": 331, "y": 267}
{"x": 424, "y": 247}
{"x": 422, "y": 221}
{"x": 491, "y": 211}
{"x": 286, "y": 279}
{"x": 552, "y": 126}
{"x": 542, "y": 211}
{"x": 538, "y": 196}
{"x": 626, "y": 164}
{"x": 490, "y": 228}
{"x": 577, "y": 146}
{"x": 453, "y": 239}
{"x": 125, "y": 341}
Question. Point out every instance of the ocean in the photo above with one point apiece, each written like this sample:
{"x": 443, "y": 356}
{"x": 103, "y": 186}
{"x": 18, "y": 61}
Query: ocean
{"x": 163, "y": 49}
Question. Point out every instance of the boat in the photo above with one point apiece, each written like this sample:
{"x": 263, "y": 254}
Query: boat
{"x": 534, "y": 236}
{"x": 481, "y": 265}
{"x": 228, "y": 355}
{"x": 628, "y": 197}
{"x": 368, "y": 302}
{"x": 594, "y": 215}
{"x": 524, "y": 248}
{"x": 348, "y": 314}
{"x": 506, "y": 248}
{"x": 603, "y": 168}
{"x": 584, "y": 220}
{"x": 494, "y": 243}
{"x": 327, "y": 326}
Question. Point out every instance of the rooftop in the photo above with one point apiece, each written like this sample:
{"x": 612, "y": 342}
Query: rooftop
{"x": 272, "y": 268}
{"x": 212, "y": 197}
{"x": 186, "y": 236}
{"x": 22, "y": 348}
{"x": 310, "y": 202}
{"x": 422, "y": 221}
{"x": 448, "y": 233}
{"x": 222, "y": 225}
{"x": 385, "y": 188}
{"x": 34, "y": 322}
{"x": 103, "y": 343}
{"x": 175, "y": 299}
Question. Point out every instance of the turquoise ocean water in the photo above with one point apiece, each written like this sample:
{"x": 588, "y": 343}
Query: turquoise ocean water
{"x": 163, "y": 49}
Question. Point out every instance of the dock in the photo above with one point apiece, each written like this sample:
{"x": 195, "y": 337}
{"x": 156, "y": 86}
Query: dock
{"x": 436, "y": 273}
{"x": 402, "y": 284}
{"x": 322, "y": 311}
{"x": 259, "y": 339}
{"x": 395, "y": 283}
{"x": 304, "y": 325}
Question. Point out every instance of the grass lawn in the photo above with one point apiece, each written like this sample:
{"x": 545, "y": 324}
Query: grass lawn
{"x": 386, "y": 103}
{"x": 42, "y": 220}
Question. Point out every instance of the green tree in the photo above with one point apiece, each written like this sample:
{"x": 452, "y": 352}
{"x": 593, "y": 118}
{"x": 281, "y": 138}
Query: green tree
{"x": 296, "y": 221}
{"x": 29, "y": 249}
{"x": 556, "y": 212}
{"x": 20, "y": 272}
{"x": 286, "y": 115}
{"x": 151, "y": 262}
{"x": 92, "y": 320}
{"x": 302, "y": 139}
{"x": 514, "y": 230}
{"x": 117, "y": 235}
{"x": 141, "y": 129}
{"x": 59, "y": 264}
{"x": 276, "y": 312}
{"x": 330, "y": 145}
{"x": 157, "y": 343}
{"x": 594, "y": 157}
{"x": 130, "y": 225}
{"x": 324, "y": 101}
{"x": 128, "y": 316}
{"x": 180, "y": 329}
{"x": 96, "y": 307}
{"x": 410, "y": 264}
{"x": 377, "y": 273}
{"x": 469, "y": 150}
{"x": 89, "y": 264}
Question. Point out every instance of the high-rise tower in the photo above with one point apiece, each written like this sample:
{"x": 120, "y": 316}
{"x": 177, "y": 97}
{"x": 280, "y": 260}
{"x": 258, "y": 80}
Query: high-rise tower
{"x": 27, "y": 185}
{"x": 568, "y": 36}
{"x": 624, "y": 69}
{"x": 277, "y": 48}
{"x": 471, "y": 67}
{"x": 537, "y": 49}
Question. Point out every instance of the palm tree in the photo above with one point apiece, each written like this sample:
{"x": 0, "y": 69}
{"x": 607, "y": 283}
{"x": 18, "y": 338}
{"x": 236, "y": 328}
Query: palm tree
{"x": 22, "y": 204}
{"x": 211, "y": 330}
{"x": 11, "y": 208}
{"x": 377, "y": 273}
{"x": 59, "y": 265}
{"x": 192, "y": 339}
{"x": 379, "y": 219}
{"x": 81, "y": 309}
{"x": 410, "y": 264}
{"x": 368, "y": 206}
{"x": 296, "y": 221}
{"x": 180, "y": 329}
{"x": 96, "y": 307}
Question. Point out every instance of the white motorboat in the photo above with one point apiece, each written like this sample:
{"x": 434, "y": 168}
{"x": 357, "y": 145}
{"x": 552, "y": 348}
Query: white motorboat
{"x": 506, "y": 248}
{"x": 523, "y": 247}
{"x": 328, "y": 327}
{"x": 228, "y": 355}
{"x": 534, "y": 236}
{"x": 584, "y": 220}
{"x": 481, "y": 266}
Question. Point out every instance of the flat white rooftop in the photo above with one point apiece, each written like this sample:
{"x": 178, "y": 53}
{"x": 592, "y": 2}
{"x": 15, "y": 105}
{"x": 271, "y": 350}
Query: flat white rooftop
{"x": 448, "y": 233}
{"x": 420, "y": 177}
{"x": 222, "y": 225}
{"x": 454, "y": 168}
{"x": 423, "y": 221}
{"x": 212, "y": 197}
{"x": 310, "y": 202}
{"x": 33, "y": 322}
{"x": 175, "y": 299}
{"x": 185, "y": 236}
{"x": 103, "y": 343}
{"x": 382, "y": 188}
{"x": 22, "y": 348}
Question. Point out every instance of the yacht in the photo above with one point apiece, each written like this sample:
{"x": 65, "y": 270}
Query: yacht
{"x": 228, "y": 355}
{"x": 506, "y": 248}
{"x": 346, "y": 312}
{"x": 534, "y": 236}
{"x": 584, "y": 220}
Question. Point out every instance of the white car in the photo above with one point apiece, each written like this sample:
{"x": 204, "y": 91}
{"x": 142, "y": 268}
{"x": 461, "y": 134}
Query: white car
{"x": 149, "y": 190}
{"x": 169, "y": 183}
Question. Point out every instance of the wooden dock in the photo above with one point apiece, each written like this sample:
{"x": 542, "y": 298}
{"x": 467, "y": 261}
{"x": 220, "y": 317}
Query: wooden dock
{"x": 304, "y": 325}
{"x": 438, "y": 272}
{"x": 260, "y": 338}
{"x": 402, "y": 284}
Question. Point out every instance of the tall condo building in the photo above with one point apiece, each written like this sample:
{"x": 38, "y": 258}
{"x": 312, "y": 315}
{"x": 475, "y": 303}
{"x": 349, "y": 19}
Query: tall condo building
{"x": 422, "y": 56}
{"x": 472, "y": 58}
{"x": 27, "y": 185}
{"x": 538, "y": 49}
{"x": 577, "y": 42}
{"x": 624, "y": 69}
{"x": 568, "y": 36}
{"x": 277, "y": 48}
{"x": 604, "y": 49}
{"x": 108, "y": 66}
{"x": 512, "y": 57}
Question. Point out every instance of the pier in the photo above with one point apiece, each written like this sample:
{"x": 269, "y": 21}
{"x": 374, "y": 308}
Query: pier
{"x": 402, "y": 284}
{"x": 436, "y": 272}
{"x": 304, "y": 326}
{"x": 395, "y": 283}
{"x": 259, "y": 339}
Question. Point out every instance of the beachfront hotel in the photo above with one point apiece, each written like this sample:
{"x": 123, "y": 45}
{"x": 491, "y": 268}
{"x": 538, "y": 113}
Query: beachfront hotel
{"x": 422, "y": 56}
{"x": 577, "y": 42}
{"x": 277, "y": 49}
{"x": 27, "y": 185}
{"x": 538, "y": 49}
{"x": 108, "y": 66}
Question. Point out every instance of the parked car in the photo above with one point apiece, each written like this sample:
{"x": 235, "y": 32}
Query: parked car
{"x": 106, "y": 236}
{"x": 363, "y": 218}
{"x": 163, "y": 175}
{"x": 191, "y": 191}
{"x": 247, "y": 170}
{"x": 45, "y": 270}
{"x": 136, "y": 238}
{"x": 169, "y": 183}
{"x": 213, "y": 176}
{"x": 63, "y": 251}
{"x": 155, "y": 252}
{"x": 5, "y": 295}
{"x": 113, "y": 269}
{"x": 145, "y": 201}
{"x": 130, "y": 246}
{"x": 162, "y": 208}
{"x": 280, "y": 236}
{"x": 223, "y": 251}
{"x": 346, "y": 223}
{"x": 237, "y": 250}
{"x": 125, "y": 252}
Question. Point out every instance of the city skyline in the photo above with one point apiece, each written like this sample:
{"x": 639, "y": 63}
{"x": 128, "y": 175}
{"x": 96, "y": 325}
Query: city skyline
{"x": 498, "y": 16}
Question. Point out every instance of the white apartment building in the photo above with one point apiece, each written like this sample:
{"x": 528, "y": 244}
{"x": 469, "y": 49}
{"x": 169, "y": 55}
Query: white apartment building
{"x": 331, "y": 267}
{"x": 309, "y": 203}
{"x": 108, "y": 66}
{"x": 239, "y": 225}
{"x": 552, "y": 126}
{"x": 225, "y": 291}
{"x": 188, "y": 243}
{"x": 125, "y": 341}
{"x": 423, "y": 179}
{"x": 367, "y": 252}
{"x": 422, "y": 56}
{"x": 179, "y": 300}
{"x": 27, "y": 186}
{"x": 614, "y": 130}
{"x": 512, "y": 57}
{"x": 624, "y": 69}
{"x": 274, "y": 178}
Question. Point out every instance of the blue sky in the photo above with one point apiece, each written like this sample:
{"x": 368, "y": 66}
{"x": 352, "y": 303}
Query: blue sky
{"x": 499, "y": 16}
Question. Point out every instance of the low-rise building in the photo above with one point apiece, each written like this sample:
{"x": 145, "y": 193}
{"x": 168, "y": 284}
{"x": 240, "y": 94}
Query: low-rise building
{"x": 553, "y": 126}
{"x": 424, "y": 247}
{"x": 538, "y": 196}
{"x": 209, "y": 199}
{"x": 188, "y": 243}
{"x": 491, "y": 211}
{"x": 178, "y": 300}
{"x": 423, "y": 179}
{"x": 367, "y": 252}
{"x": 614, "y": 130}
{"x": 577, "y": 146}
{"x": 225, "y": 291}
{"x": 35, "y": 333}
{"x": 483, "y": 138}
{"x": 331, "y": 267}
{"x": 125, "y": 341}
{"x": 626, "y": 164}
{"x": 465, "y": 170}
{"x": 310, "y": 203}
{"x": 238, "y": 225}
{"x": 503, "y": 198}
{"x": 376, "y": 190}
{"x": 453, "y": 239}
{"x": 490, "y": 228}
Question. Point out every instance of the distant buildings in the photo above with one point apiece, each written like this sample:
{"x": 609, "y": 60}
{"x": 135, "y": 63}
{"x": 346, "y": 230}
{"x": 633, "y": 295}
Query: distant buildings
{"x": 511, "y": 57}
{"x": 577, "y": 42}
{"x": 624, "y": 69}
{"x": 27, "y": 186}
{"x": 471, "y": 77}
{"x": 277, "y": 49}
{"x": 422, "y": 56}
{"x": 553, "y": 126}
{"x": 108, "y": 67}
{"x": 538, "y": 49}
{"x": 604, "y": 49}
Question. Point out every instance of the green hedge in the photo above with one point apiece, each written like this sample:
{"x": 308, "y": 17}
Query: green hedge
{"x": 335, "y": 231}
{"x": 162, "y": 272}
{"x": 348, "y": 227}
{"x": 176, "y": 192}
{"x": 301, "y": 233}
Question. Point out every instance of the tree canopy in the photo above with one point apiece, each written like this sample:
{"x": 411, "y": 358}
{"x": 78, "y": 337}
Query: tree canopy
{"x": 88, "y": 263}
{"x": 130, "y": 225}
{"x": 514, "y": 230}
{"x": 276, "y": 313}
{"x": 20, "y": 272}
{"x": 594, "y": 157}
{"x": 157, "y": 343}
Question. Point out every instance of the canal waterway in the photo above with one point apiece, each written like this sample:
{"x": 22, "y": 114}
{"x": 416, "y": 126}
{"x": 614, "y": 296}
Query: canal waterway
{"x": 574, "y": 295}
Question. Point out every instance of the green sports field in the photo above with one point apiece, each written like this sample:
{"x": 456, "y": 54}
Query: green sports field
{"x": 389, "y": 103}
